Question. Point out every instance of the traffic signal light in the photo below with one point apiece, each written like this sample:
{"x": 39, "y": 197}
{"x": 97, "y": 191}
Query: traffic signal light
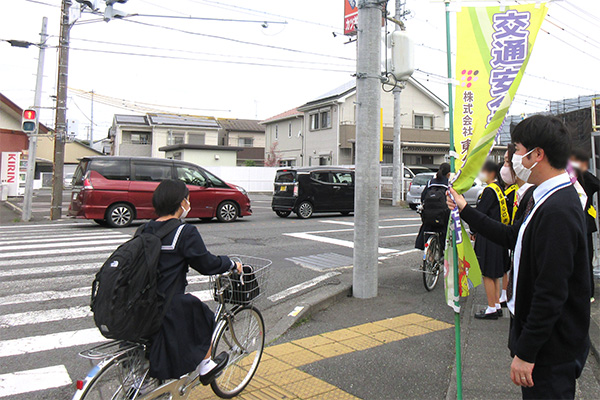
{"x": 29, "y": 121}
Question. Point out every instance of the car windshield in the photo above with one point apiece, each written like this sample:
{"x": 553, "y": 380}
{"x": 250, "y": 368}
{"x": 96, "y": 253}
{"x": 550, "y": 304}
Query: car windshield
{"x": 79, "y": 173}
{"x": 422, "y": 179}
{"x": 419, "y": 170}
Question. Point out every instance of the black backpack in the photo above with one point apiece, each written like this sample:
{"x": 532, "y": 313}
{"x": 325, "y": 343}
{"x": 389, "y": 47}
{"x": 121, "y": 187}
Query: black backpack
{"x": 125, "y": 299}
{"x": 435, "y": 212}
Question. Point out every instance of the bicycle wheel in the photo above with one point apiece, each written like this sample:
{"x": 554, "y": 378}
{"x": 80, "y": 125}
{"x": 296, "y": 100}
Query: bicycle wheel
{"x": 431, "y": 268}
{"x": 249, "y": 330}
{"x": 119, "y": 379}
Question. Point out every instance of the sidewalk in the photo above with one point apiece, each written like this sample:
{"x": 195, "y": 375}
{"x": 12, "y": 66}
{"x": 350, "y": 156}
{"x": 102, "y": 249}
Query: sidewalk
{"x": 399, "y": 345}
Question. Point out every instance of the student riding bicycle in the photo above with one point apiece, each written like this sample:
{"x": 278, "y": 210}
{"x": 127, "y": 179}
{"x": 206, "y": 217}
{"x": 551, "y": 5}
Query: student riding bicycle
{"x": 183, "y": 342}
{"x": 435, "y": 213}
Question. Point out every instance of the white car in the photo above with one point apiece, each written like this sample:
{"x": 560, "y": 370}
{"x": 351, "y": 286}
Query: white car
{"x": 68, "y": 180}
{"x": 419, "y": 182}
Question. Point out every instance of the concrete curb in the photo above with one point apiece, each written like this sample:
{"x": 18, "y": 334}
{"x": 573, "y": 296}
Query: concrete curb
{"x": 311, "y": 303}
{"x": 12, "y": 207}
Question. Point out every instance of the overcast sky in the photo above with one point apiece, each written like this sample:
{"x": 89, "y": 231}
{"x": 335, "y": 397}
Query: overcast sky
{"x": 211, "y": 76}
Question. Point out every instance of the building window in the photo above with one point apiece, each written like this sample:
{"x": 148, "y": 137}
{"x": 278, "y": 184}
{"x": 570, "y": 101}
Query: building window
{"x": 287, "y": 163}
{"x": 177, "y": 155}
{"x": 290, "y": 130}
{"x": 423, "y": 122}
{"x": 140, "y": 138}
{"x": 245, "y": 142}
{"x": 320, "y": 120}
{"x": 176, "y": 138}
{"x": 196, "y": 138}
{"x": 276, "y": 131}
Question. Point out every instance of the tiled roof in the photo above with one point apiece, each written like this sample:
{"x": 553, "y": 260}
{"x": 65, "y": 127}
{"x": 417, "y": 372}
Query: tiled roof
{"x": 241, "y": 125}
{"x": 284, "y": 115}
{"x": 182, "y": 120}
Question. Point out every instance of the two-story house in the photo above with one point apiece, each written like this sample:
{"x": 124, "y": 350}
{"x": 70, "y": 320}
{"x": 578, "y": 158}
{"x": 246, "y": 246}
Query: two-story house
{"x": 248, "y": 134}
{"x": 326, "y": 128}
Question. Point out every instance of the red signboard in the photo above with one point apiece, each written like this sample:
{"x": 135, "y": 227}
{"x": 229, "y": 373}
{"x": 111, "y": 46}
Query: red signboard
{"x": 350, "y": 17}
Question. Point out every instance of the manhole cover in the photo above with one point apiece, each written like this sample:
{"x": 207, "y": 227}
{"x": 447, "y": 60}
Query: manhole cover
{"x": 323, "y": 262}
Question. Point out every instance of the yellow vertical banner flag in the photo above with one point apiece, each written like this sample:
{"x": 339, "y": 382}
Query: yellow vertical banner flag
{"x": 493, "y": 48}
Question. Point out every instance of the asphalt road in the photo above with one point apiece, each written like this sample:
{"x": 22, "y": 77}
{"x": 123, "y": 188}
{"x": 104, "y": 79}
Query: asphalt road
{"x": 46, "y": 270}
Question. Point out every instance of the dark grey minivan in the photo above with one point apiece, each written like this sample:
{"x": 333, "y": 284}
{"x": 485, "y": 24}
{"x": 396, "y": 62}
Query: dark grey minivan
{"x": 310, "y": 190}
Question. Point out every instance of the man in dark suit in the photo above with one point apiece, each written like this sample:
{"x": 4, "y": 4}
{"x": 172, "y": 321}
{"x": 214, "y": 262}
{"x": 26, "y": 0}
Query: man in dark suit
{"x": 550, "y": 299}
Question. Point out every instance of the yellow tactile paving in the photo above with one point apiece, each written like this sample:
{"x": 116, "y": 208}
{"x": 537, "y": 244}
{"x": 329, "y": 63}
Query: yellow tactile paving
{"x": 278, "y": 378}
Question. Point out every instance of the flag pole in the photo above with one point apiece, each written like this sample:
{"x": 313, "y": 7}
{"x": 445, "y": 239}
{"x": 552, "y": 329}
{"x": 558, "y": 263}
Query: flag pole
{"x": 457, "y": 344}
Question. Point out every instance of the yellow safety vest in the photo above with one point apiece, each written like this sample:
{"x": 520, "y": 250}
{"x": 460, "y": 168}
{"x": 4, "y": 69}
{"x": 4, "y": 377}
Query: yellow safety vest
{"x": 504, "y": 216}
{"x": 592, "y": 212}
{"x": 513, "y": 188}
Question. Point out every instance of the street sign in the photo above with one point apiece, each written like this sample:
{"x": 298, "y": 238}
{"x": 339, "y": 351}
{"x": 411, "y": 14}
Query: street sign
{"x": 350, "y": 17}
{"x": 10, "y": 171}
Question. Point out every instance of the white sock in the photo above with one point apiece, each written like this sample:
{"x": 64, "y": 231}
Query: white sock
{"x": 498, "y": 306}
{"x": 490, "y": 310}
{"x": 206, "y": 366}
{"x": 503, "y": 296}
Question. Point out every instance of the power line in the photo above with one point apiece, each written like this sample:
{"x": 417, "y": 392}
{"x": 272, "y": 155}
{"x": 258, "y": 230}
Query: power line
{"x": 42, "y": 3}
{"x": 585, "y": 14}
{"x": 204, "y": 18}
{"x": 570, "y": 45}
{"x": 205, "y": 53}
{"x": 206, "y": 60}
{"x": 237, "y": 40}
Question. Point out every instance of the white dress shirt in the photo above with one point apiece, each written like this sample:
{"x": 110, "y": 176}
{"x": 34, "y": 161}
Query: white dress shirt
{"x": 540, "y": 194}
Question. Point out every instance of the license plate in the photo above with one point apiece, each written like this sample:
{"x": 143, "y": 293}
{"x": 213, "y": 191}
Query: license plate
{"x": 282, "y": 188}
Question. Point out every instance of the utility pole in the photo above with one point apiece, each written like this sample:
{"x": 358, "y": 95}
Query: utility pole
{"x": 92, "y": 122}
{"x": 368, "y": 98}
{"x": 61, "y": 113}
{"x": 37, "y": 104}
{"x": 398, "y": 160}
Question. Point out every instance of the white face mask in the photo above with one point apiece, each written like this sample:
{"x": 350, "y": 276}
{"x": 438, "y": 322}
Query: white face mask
{"x": 186, "y": 212}
{"x": 576, "y": 165}
{"x": 507, "y": 175}
{"x": 483, "y": 177}
{"x": 522, "y": 172}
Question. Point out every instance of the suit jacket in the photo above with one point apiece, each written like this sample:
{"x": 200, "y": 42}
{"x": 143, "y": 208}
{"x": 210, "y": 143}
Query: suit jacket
{"x": 552, "y": 304}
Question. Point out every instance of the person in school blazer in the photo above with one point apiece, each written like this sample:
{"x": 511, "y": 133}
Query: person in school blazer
{"x": 549, "y": 338}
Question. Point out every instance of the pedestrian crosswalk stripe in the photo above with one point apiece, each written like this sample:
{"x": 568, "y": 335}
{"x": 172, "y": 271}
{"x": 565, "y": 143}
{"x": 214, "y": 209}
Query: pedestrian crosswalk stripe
{"x": 71, "y": 243}
{"x": 62, "y": 238}
{"x": 56, "y": 251}
{"x": 47, "y": 260}
{"x": 34, "y": 380}
{"x": 53, "y": 341}
{"x": 49, "y": 270}
{"x": 53, "y": 226}
{"x": 38, "y": 317}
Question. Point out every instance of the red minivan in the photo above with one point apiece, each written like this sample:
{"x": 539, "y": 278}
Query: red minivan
{"x": 117, "y": 190}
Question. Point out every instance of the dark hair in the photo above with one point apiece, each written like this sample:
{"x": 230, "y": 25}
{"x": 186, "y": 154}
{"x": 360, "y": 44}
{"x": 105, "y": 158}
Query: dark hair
{"x": 511, "y": 149}
{"x": 581, "y": 154}
{"x": 547, "y": 133}
{"x": 491, "y": 166}
{"x": 443, "y": 171}
{"x": 168, "y": 196}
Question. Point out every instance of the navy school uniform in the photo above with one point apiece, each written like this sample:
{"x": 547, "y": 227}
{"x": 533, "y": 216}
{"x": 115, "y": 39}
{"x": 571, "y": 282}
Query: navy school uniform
{"x": 186, "y": 332}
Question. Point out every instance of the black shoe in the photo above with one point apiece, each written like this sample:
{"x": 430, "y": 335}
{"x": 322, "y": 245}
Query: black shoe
{"x": 482, "y": 315}
{"x": 499, "y": 312}
{"x": 221, "y": 361}
{"x": 503, "y": 304}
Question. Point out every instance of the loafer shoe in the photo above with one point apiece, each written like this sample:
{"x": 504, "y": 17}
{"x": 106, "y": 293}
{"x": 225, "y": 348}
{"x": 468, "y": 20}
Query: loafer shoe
{"x": 221, "y": 361}
{"x": 482, "y": 315}
{"x": 503, "y": 304}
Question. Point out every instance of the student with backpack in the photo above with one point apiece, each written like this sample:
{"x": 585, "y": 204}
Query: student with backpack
{"x": 148, "y": 275}
{"x": 434, "y": 214}
{"x": 493, "y": 259}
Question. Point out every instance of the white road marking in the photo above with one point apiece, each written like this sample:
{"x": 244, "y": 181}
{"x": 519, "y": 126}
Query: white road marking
{"x": 204, "y": 295}
{"x": 302, "y": 286}
{"x": 401, "y": 219}
{"x": 37, "y": 317}
{"x": 88, "y": 243}
{"x": 86, "y": 291}
{"x": 46, "y": 260}
{"x": 400, "y": 253}
{"x": 338, "y": 242}
{"x": 402, "y": 235}
{"x": 50, "y": 270}
{"x": 337, "y": 222}
{"x": 53, "y": 341}
{"x": 296, "y": 311}
{"x": 33, "y": 380}
{"x": 63, "y": 238}
{"x": 56, "y": 251}
{"x": 55, "y": 225}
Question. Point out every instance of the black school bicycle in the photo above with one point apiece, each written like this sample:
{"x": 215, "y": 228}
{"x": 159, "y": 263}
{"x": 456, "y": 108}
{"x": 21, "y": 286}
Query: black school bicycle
{"x": 121, "y": 368}
{"x": 433, "y": 260}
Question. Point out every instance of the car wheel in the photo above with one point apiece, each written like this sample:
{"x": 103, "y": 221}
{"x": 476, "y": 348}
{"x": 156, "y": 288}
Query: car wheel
{"x": 101, "y": 222}
{"x": 345, "y": 213}
{"x": 227, "y": 211}
{"x": 413, "y": 206}
{"x": 119, "y": 215}
{"x": 305, "y": 210}
{"x": 283, "y": 214}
